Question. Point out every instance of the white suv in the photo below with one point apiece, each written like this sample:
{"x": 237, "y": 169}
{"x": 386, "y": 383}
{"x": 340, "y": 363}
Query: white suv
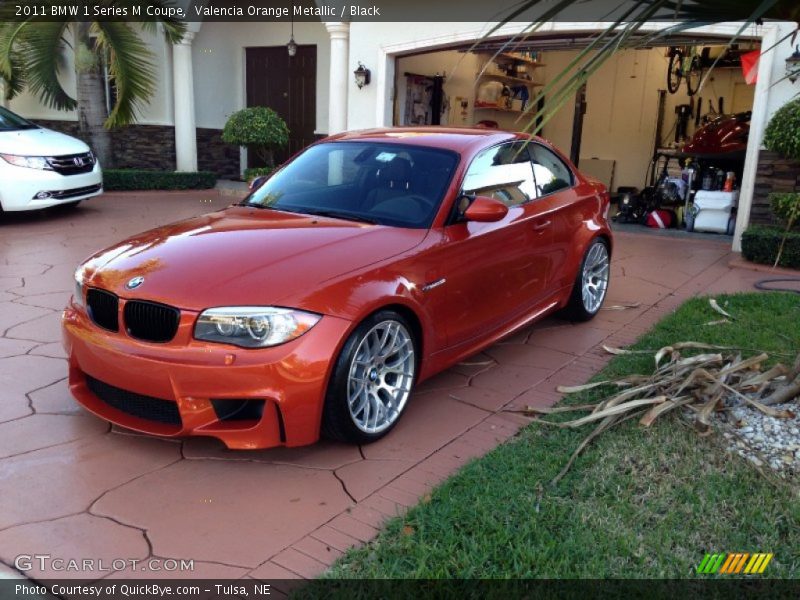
{"x": 41, "y": 168}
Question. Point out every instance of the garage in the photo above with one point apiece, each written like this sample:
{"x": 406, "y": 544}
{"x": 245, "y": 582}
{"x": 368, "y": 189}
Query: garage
{"x": 663, "y": 130}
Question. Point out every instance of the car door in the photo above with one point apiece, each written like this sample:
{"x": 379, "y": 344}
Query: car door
{"x": 493, "y": 271}
{"x": 558, "y": 204}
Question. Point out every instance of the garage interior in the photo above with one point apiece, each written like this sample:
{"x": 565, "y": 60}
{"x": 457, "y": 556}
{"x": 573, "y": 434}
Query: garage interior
{"x": 625, "y": 127}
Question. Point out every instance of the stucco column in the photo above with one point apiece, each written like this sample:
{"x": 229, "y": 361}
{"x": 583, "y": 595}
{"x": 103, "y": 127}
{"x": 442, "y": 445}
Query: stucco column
{"x": 339, "y": 76}
{"x": 183, "y": 97}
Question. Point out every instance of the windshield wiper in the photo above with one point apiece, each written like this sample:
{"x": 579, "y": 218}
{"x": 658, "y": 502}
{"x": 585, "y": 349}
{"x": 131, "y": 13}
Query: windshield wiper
{"x": 345, "y": 216}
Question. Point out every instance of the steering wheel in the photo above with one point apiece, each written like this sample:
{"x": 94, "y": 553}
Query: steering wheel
{"x": 424, "y": 203}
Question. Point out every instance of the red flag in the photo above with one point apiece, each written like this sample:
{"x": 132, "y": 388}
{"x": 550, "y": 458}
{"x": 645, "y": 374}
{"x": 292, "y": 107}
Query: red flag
{"x": 750, "y": 66}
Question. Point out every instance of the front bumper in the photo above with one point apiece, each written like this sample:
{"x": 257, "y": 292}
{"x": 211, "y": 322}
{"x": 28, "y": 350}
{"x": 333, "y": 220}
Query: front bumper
{"x": 288, "y": 381}
{"x": 21, "y": 185}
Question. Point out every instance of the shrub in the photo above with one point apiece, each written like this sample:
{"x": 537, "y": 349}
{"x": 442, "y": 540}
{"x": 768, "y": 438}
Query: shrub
{"x": 783, "y": 131}
{"x": 786, "y": 206}
{"x": 259, "y": 129}
{"x": 141, "y": 179}
{"x": 760, "y": 244}
{"x": 250, "y": 174}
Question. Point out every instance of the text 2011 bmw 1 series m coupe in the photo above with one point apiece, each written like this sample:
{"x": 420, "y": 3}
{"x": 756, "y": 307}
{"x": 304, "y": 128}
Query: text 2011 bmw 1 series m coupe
{"x": 366, "y": 264}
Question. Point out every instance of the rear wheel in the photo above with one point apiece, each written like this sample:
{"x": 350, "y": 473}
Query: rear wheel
{"x": 591, "y": 283}
{"x": 372, "y": 380}
{"x": 694, "y": 76}
{"x": 675, "y": 71}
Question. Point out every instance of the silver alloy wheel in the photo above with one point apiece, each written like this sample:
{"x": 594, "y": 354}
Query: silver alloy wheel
{"x": 594, "y": 279}
{"x": 381, "y": 376}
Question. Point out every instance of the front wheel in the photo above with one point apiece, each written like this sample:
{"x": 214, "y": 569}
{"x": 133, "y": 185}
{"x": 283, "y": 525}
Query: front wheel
{"x": 591, "y": 283}
{"x": 372, "y": 380}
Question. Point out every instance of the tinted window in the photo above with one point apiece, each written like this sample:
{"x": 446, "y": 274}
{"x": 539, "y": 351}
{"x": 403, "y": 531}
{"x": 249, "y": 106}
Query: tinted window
{"x": 11, "y": 122}
{"x": 503, "y": 173}
{"x": 549, "y": 170}
{"x": 389, "y": 184}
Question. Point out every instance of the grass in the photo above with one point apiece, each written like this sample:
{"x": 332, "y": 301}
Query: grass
{"x": 639, "y": 503}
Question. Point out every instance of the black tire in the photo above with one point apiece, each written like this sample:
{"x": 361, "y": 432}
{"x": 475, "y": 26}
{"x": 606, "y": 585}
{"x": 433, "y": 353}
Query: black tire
{"x": 674, "y": 72}
{"x": 694, "y": 76}
{"x": 575, "y": 310}
{"x": 337, "y": 421}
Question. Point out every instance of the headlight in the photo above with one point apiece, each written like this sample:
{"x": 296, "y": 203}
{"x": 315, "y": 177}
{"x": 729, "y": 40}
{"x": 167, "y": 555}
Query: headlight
{"x": 253, "y": 326}
{"x": 31, "y": 162}
{"x": 78, "y": 293}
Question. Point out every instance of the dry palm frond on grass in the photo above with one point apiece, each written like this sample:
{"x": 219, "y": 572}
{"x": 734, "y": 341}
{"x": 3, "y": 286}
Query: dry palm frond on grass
{"x": 717, "y": 378}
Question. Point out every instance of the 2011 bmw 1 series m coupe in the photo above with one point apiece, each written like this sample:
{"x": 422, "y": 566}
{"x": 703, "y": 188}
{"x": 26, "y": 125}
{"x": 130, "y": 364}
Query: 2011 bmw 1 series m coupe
{"x": 366, "y": 264}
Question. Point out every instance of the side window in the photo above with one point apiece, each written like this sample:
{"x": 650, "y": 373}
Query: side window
{"x": 503, "y": 173}
{"x": 549, "y": 170}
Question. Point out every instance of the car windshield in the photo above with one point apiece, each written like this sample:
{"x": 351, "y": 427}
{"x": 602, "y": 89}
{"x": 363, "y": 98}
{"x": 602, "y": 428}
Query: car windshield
{"x": 383, "y": 183}
{"x": 11, "y": 122}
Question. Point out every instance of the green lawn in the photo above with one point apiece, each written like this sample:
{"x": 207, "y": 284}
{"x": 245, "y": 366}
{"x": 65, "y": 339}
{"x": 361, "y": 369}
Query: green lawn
{"x": 638, "y": 503}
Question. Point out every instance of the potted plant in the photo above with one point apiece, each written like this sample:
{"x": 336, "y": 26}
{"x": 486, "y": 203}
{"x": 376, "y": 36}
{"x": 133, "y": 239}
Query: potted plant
{"x": 259, "y": 129}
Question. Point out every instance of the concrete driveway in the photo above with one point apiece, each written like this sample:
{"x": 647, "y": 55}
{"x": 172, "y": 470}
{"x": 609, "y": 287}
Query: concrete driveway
{"x": 75, "y": 488}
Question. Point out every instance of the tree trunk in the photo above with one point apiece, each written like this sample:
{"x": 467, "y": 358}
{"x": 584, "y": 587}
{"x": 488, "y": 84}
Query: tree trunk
{"x": 91, "y": 97}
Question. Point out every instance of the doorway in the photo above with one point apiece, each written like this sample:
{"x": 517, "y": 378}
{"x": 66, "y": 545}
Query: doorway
{"x": 287, "y": 85}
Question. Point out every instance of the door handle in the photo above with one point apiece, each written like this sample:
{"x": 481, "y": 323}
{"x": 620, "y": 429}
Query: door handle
{"x": 541, "y": 225}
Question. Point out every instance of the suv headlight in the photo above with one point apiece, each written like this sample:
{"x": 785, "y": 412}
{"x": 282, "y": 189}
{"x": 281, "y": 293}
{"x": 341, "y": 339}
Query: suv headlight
{"x": 253, "y": 326}
{"x": 31, "y": 162}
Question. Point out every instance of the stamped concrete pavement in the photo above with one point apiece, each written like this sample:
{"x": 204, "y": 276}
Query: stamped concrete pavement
{"x": 75, "y": 487}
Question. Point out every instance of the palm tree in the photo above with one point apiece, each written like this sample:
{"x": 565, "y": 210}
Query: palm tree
{"x": 33, "y": 53}
{"x": 627, "y": 31}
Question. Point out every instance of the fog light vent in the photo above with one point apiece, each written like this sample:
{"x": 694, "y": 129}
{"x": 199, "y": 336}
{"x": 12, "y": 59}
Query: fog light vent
{"x": 238, "y": 410}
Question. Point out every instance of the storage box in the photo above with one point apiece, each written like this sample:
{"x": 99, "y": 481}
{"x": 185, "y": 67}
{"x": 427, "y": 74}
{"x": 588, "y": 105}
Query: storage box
{"x": 713, "y": 210}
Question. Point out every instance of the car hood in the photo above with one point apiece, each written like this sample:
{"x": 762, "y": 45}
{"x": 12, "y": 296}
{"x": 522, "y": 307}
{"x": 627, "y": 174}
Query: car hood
{"x": 242, "y": 256}
{"x": 39, "y": 142}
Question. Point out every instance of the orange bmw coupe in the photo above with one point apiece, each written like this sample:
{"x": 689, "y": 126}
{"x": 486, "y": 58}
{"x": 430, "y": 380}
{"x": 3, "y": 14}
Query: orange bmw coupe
{"x": 366, "y": 264}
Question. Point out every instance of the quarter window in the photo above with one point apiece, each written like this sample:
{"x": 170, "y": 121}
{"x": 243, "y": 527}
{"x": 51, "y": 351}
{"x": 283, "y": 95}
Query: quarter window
{"x": 549, "y": 170}
{"x": 503, "y": 173}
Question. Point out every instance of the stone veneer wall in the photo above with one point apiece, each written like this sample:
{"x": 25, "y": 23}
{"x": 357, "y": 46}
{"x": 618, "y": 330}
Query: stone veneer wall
{"x": 153, "y": 147}
{"x": 774, "y": 174}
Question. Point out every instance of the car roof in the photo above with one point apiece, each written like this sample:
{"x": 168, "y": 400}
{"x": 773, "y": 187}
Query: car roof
{"x": 460, "y": 139}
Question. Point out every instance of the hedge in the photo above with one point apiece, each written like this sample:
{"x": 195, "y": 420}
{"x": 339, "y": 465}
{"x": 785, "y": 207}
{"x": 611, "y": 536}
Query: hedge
{"x": 253, "y": 172}
{"x": 140, "y": 179}
{"x": 760, "y": 244}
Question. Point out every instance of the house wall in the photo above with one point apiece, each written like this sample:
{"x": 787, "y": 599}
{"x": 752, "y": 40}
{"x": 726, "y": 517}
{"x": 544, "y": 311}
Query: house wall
{"x": 218, "y": 61}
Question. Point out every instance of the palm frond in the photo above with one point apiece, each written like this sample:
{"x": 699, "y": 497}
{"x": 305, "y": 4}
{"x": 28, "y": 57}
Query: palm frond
{"x": 628, "y": 20}
{"x": 131, "y": 66}
{"x": 41, "y": 51}
{"x": 174, "y": 29}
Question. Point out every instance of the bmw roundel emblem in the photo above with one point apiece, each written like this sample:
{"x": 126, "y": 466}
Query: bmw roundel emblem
{"x": 134, "y": 283}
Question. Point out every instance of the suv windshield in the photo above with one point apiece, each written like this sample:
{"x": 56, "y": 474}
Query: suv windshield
{"x": 11, "y": 122}
{"x": 384, "y": 183}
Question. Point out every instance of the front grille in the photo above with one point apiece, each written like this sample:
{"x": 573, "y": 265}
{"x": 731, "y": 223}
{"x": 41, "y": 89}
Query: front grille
{"x": 136, "y": 405}
{"x": 72, "y": 164}
{"x": 150, "y": 321}
{"x": 75, "y": 192}
{"x": 103, "y": 308}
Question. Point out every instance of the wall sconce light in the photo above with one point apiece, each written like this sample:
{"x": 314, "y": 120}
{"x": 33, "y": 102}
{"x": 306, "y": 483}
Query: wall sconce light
{"x": 793, "y": 65}
{"x": 362, "y": 74}
{"x": 291, "y": 47}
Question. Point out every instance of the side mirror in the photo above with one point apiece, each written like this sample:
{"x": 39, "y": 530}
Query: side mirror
{"x": 485, "y": 210}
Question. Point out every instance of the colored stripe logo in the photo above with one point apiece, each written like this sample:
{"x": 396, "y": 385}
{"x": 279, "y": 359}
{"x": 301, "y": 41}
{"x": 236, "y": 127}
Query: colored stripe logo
{"x": 732, "y": 563}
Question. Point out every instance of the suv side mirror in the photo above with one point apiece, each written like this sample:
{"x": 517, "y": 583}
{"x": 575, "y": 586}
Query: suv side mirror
{"x": 485, "y": 210}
